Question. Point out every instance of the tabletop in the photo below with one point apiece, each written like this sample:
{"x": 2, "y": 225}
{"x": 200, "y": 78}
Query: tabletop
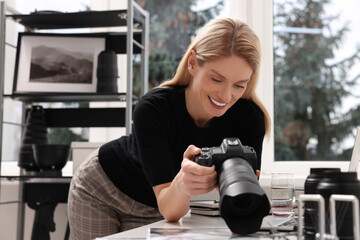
{"x": 196, "y": 224}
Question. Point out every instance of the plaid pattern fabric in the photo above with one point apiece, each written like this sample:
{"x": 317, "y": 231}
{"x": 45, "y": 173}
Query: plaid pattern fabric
{"x": 97, "y": 208}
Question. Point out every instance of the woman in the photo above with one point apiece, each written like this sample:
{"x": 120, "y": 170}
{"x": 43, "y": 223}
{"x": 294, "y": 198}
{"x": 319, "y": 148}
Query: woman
{"x": 151, "y": 174}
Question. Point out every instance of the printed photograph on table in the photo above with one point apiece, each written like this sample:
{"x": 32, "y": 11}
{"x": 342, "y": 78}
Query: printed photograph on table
{"x": 56, "y": 63}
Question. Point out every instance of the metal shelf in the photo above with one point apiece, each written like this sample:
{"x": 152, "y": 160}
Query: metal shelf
{"x": 68, "y": 97}
{"x": 59, "y": 20}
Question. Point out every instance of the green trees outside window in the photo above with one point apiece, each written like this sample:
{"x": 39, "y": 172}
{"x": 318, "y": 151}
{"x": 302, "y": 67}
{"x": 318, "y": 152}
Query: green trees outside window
{"x": 312, "y": 84}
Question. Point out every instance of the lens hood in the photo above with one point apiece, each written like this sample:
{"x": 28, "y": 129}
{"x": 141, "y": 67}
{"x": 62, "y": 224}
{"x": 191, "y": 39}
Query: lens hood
{"x": 243, "y": 203}
{"x": 244, "y": 213}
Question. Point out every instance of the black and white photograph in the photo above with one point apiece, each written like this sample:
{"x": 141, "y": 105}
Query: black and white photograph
{"x": 57, "y": 63}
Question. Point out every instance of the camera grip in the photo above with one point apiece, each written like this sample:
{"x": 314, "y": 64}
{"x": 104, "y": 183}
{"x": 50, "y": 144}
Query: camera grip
{"x": 204, "y": 158}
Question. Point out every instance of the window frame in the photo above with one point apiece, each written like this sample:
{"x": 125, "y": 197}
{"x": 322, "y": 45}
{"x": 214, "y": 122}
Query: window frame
{"x": 258, "y": 14}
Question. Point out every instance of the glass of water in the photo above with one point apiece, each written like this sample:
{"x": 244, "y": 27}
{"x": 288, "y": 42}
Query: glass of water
{"x": 282, "y": 194}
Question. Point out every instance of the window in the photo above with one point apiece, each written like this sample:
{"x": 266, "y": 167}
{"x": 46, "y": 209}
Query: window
{"x": 316, "y": 85}
{"x": 260, "y": 15}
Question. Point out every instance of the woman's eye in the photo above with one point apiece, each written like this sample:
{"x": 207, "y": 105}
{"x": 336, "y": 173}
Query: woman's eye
{"x": 240, "y": 86}
{"x": 215, "y": 80}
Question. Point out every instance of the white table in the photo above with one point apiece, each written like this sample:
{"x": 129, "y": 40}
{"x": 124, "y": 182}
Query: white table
{"x": 191, "y": 221}
{"x": 188, "y": 221}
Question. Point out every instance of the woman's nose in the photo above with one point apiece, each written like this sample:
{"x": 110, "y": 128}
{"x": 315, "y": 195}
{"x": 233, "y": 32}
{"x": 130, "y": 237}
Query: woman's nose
{"x": 225, "y": 94}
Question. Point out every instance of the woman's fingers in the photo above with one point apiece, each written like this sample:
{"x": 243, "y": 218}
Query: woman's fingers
{"x": 192, "y": 167}
{"x": 191, "y": 152}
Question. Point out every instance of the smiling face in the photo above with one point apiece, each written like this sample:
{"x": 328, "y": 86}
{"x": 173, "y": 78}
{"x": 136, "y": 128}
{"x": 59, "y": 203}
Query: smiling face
{"x": 215, "y": 86}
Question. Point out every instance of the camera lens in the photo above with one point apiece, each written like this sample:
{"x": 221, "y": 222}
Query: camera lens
{"x": 316, "y": 174}
{"x": 311, "y": 209}
{"x": 107, "y": 72}
{"x": 340, "y": 183}
{"x": 243, "y": 203}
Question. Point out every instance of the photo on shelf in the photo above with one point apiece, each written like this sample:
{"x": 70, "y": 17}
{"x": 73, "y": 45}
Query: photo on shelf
{"x": 63, "y": 63}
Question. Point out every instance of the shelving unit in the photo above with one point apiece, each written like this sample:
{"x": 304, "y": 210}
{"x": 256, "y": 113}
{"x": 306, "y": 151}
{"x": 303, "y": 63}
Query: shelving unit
{"x": 130, "y": 42}
{"x": 134, "y": 41}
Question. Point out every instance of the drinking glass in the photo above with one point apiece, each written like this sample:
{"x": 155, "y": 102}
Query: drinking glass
{"x": 282, "y": 194}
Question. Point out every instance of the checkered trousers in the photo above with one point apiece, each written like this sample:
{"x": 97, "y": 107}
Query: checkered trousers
{"x": 97, "y": 208}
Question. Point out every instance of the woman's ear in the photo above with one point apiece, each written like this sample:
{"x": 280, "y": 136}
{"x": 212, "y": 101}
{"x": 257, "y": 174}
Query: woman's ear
{"x": 192, "y": 62}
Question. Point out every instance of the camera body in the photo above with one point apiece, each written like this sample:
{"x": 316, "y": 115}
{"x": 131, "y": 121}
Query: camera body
{"x": 243, "y": 203}
{"x": 229, "y": 148}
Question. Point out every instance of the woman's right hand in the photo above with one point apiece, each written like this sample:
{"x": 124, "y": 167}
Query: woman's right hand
{"x": 193, "y": 178}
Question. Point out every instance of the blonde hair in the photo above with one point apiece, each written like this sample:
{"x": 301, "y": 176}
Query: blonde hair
{"x": 220, "y": 38}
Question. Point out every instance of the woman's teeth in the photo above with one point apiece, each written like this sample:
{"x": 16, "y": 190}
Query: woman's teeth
{"x": 218, "y": 103}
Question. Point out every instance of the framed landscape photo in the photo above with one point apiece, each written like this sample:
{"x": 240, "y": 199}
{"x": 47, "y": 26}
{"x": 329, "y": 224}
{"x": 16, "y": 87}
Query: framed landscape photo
{"x": 62, "y": 63}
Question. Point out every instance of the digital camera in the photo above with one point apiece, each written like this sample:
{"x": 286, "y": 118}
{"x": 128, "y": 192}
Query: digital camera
{"x": 243, "y": 203}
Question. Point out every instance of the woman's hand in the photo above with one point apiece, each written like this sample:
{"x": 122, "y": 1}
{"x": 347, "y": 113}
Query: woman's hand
{"x": 192, "y": 179}
{"x": 195, "y": 179}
